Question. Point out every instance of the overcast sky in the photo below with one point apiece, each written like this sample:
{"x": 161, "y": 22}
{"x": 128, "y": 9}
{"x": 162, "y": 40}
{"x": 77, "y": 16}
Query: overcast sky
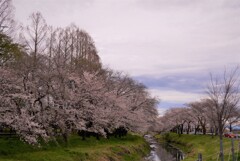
{"x": 169, "y": 45}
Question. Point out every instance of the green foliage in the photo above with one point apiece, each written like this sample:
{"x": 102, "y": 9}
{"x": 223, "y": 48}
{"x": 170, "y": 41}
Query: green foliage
{"x": 167, "y": 137}
{"x": 9, "y": 50}
{"x": 194, "y": 144}
{"x": 86, "y": 65}
{"x": 129, "y": 148}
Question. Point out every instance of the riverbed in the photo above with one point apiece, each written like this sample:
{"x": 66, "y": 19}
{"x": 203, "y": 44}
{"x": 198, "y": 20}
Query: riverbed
{"x": 162, "y": 151}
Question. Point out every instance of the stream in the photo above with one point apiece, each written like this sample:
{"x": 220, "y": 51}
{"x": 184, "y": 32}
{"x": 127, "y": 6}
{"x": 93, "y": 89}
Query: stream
{"x": 162, "y": 151}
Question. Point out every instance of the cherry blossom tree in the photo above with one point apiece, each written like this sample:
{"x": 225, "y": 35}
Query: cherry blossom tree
{"x": 199, "y": 112}
{"x": 224, "y": 94}
{"x": 58, "y": 87}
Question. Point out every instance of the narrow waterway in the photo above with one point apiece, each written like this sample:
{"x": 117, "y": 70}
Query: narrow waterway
{"x": 162, "y": 152}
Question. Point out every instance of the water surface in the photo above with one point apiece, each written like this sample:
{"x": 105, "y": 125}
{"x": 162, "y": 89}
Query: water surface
{"x": 162, "y": 151}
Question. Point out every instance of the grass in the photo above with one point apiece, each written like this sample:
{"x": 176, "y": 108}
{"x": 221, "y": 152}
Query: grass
{"x": 191, "y": 145}
{"x": 129, "y": 148}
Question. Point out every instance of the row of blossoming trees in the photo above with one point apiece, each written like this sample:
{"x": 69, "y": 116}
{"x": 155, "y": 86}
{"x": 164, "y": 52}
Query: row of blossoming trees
{"x": 52, "y": 83}
{"x": 220, "y": 109}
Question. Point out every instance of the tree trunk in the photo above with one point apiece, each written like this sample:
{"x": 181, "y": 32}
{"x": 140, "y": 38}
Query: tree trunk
{"x": 204, "y": 130}
{"x": 65, "y": 137}
{"x": 196, "y": 129}
{"x": 212, "y": 131}
{"x": 216, "y": 131}
{"x": 179, "y": 130}
{"x": 188, "y": 129}
{"x": 220, "y": 131}
{"x": 97, "y": 136}
{"x": 181, "y": 127}
{"x": 83, "y": 135}
{"x": 230, "y": 127}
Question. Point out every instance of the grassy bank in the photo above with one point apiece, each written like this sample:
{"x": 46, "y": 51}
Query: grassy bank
{"x": 191, "y": 145}
{"x": 129, "y": 148}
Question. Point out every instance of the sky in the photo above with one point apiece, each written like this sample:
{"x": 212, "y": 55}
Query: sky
{"x": 171, "y": 46}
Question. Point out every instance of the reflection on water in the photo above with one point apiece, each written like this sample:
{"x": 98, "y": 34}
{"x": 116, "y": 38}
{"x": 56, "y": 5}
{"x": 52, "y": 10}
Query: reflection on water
{"x": 176, "y": 153}
{"x": 162, "y": 152}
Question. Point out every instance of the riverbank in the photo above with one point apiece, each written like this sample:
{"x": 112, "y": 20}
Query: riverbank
{"x": 128, "y": 148}
{"x": 191, "y": 145}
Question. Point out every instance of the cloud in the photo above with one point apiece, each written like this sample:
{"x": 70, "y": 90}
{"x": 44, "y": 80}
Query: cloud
{"x": 164, "y": 106}
{"x": 171, "y": 45}
{"x": 176, "y": 96}
{"x": 170, "y": 42}
{"x": 191, "y": 82}
{"x": 161, "y": 111}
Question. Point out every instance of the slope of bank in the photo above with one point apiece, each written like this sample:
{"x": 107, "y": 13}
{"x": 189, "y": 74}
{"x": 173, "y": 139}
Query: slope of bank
{"x": 129, "y": 148}
{"x": 191, "y": 145}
